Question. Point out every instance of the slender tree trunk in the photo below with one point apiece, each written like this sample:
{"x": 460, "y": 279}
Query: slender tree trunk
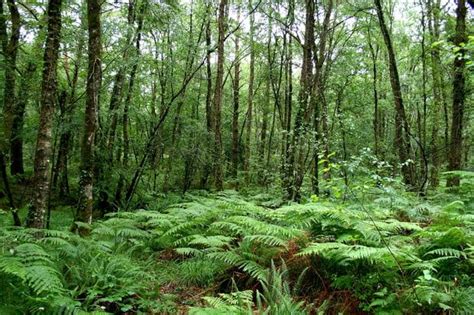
{"x": 60, "y": 175}
{"x": 16, "y": 137}
{"x": 459, "y": 81}
{"x": 9, "y": 97}
{"x": 298, "y": 153}
{"x": 126, "y": 109}
{"x": 209, "y": 113}
{"x": 6, "y": 186}
{"x": 59, "y": 165}
{"x": 249, "y": 119}
{"x": 374, "y": 52}
{"x": 287, "y": 147}
{"x": 117, "y": 91}
{"x": 263, "y": 134}
{"x": 402, "y": 131}
{"x": 218, "y": 159}
{"x": 435, "y": 147}
{"x": 43, "y": 152}
{"x": 236, "y": 102}
{"x": 94, "y": 75}
{"x": 320, "y": 56}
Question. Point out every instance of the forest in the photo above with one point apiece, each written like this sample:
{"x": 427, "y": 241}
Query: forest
{"x": 238, "y": 157}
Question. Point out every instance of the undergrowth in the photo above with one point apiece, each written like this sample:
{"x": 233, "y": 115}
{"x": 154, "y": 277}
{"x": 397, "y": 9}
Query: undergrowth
{"x": 373, "y": 250}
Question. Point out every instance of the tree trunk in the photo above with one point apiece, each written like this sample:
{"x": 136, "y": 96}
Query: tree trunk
{"x": 209, "y": 114}
{"x": 374, "y": 52}
{"x": 236, "y": 102}
{"x": 16, "y": 136}
{"x": 287, "y": 163}
{"x": 249, "y": 119}
{"x": 39, "y": 205}
{"x": 94, "y": 75}
{"x": 6, "y": 187}
{"x": 218, "y": 160}
{"x": 9, "y": 97}
{"x": 128, "y": 100}
{"x": 402, "y": 131}
{"x": 298, "y": 152}
{"x": 60, "y": 175}
{"x": 117, "y": 91}
{"x": 435, "y": 147}
{"x": 459, "y": 81}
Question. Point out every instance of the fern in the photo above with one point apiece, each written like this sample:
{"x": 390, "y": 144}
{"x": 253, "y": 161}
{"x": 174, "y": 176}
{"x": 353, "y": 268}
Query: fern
{"x": 446, "y": 252}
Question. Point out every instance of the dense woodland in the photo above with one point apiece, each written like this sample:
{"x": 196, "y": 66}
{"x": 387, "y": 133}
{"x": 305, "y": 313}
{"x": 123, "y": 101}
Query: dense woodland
{"x": 236, "y": 157}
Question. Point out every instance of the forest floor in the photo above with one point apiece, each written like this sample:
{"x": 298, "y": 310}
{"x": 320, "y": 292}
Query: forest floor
{"x": 372, "y": 251}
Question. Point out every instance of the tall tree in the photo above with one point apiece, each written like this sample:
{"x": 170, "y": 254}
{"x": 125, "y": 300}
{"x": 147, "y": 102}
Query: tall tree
{"x": 43, "y": 151}
{"x": 10, "y": 51}
{"x": 298, "y": 151}
{"x": 433, "y": 9}
{"x": 94, "y": 75}
{"x": 236, "y": 103}
{"x": 250, "y": 99}
{"x": 374, "y": 53}
{"x": 402, "y": 129}
{"x": 119, "y": 79}
{"x": 209, "y": 114}
{"x": 67, "y": 104}
{"x": 318, "y": 101}
{"x": 287, "y": 148}
{"x": 459, "y": 94}
{"x": 218, "y": 93}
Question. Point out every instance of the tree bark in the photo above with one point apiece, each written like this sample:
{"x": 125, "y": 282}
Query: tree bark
{"x": 94, "y": 75}
{"x": 374, "y": 52}
{"x": 236, "y": 103}
{"x": 128, "y": 100}
{"x": 249, "y": 119}
{"x": 218, "y": 159}
{"x": 459, "y": 81}
{"x": 297, "y": 153}
{"x": 60, "y": 175}
{"x": 119, "y": 80}
{"x": 43, "y": 152}
{"x": 9, "y": 106}
{"x": 209, "y": 114}
{"x": 287, "y": 148}
{"x": 6, "y": 187}
{"x": 402, "y": 131}
{"x": 434, "y": 146}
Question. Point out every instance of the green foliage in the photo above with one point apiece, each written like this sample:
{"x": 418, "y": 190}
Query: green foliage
{"x": 389, "y": 254}
{"x": 275, "y": 298}
{"x": 56, "y": 270}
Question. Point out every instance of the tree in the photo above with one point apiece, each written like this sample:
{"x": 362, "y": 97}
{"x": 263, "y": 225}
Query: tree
{"x": 248, "y": 121}
{"x": 94, "y": 75}
{"x": 236, "y": 103}
{"x": 402, "y": 134}
{"x": 10, "y": 51}
{"x": 298, "y": 153}
{"x": 459, "y": 82}
{"x": 433, "y": 8}
{"x": 218, "y": 93}
{"x": 43, "y": 151}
